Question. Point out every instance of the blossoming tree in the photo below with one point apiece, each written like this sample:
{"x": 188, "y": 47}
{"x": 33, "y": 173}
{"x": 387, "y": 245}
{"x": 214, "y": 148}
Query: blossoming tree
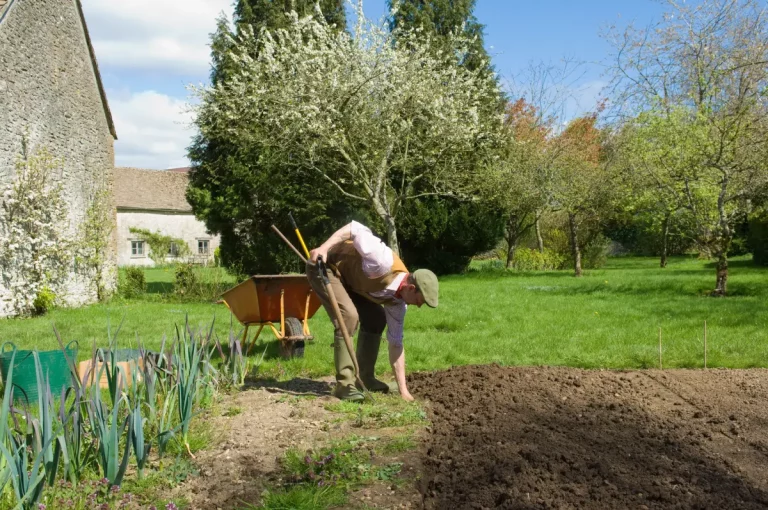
{"x": 373, "y": 112}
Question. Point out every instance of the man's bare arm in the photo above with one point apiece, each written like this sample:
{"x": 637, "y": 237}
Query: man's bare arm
{"x": 397, "y": 360}
{"x": 341, "y": 235}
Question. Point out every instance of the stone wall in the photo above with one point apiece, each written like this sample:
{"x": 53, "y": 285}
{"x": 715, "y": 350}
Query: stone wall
{"x": 180, "y": 225}
{"x": 49, "y": 93}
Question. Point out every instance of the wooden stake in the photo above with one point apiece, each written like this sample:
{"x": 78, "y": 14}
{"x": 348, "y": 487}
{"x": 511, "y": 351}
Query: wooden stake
{"x": 661, "y": 366}
{"x": 705, "y": 344}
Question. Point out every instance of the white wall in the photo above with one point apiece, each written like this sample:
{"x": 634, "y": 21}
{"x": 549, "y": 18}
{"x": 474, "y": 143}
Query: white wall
{"x": 181, "y": 225}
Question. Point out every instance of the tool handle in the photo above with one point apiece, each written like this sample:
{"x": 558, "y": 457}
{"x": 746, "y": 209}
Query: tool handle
{"x": 298, "y": 234}
{"x": 340, "y": 319}
{"x": 291, "y": 246}
{"x": 323, "y": 270}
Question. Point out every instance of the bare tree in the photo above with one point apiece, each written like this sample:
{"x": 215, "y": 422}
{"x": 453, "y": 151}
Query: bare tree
{"x": 701, "y": 73}
{"x": 542, "y": 93}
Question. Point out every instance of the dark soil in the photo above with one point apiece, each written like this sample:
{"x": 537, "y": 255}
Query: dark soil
{"x": 530, "y": 438}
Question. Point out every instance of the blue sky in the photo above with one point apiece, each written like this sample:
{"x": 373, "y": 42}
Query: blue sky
{"x": 150, "y": 50}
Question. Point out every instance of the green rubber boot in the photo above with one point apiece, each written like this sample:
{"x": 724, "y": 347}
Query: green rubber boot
{"x": 345, "y": 373}
{"x": 367, "y": 352}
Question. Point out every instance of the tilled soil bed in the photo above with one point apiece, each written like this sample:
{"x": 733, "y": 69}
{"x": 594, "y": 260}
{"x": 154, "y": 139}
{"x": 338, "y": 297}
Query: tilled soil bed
{"x": 530, "y": 438}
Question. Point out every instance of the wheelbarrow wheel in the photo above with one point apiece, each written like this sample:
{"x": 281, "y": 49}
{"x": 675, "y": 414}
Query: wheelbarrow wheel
{"x": 293, "y": 348}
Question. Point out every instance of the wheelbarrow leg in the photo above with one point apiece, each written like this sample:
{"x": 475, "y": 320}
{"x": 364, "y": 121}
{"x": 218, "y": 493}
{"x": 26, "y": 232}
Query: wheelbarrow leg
{"x": 305, "y": 326}
{"x": 253, "y": 342}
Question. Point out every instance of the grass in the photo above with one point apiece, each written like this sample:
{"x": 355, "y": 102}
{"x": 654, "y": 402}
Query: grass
{"x": 608, "y": 319}
{"x": 320, "y": 478}
{"x": 306, "y": 497}
{"x": 387, "y": 411}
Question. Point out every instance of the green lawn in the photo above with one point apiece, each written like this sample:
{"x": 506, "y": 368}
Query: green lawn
{"x": 610, "y": 318}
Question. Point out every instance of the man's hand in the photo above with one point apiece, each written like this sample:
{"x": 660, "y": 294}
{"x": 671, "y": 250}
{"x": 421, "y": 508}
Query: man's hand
{"x": 318, "y": 252}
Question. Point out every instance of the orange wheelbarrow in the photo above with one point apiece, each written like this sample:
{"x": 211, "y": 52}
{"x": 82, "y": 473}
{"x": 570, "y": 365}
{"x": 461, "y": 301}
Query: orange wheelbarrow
{"x": 284, "y": 300}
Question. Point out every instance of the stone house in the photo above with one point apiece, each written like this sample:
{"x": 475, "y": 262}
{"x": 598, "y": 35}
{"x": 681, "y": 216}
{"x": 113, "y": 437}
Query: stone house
{"x": 52, "y": 98}
{"x": 155, "y": 200}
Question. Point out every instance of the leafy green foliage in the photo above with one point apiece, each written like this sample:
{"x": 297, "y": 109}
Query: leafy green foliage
{"x": 185, "y": 279}
{"x": 134, "y": 283}
{"x": 440, "y": 232}
{"x": 44, "y": 301}
{"x": 93, "y": 253}
{"x": 528, "y": 259}
{"x": 758, "y": 237}
{"x": 162, "y": 246}
{"x": 443, "y": 234}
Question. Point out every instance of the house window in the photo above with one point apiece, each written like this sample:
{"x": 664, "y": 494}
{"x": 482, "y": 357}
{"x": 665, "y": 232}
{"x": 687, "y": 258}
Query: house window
{"x": 173, "y": 250}
{"x": 137, "y": 248}
{"x": 202, "y": 246}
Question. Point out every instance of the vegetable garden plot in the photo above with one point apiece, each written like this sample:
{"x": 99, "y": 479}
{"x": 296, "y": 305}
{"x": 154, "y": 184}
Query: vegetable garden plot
{"x": 568, "y": 438}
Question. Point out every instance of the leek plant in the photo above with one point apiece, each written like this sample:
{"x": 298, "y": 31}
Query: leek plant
{"x": 237, "y": 363}
{"x": 149, "y": 375}
{"x": 189, "y": 354}
{"x": 166, "y": 430}
{"x": 141, "y": 448}
{"x": 27, "y": 483}
{"x": 48, "y": 439}
{"x": 108, "y": 428}
{"x": 73, "y": 429}
{"x": 72, "y": 419}
{"x": 5, "y": 407}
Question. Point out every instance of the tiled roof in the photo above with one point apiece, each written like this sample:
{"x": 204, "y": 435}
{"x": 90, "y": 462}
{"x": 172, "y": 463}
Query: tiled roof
{"x": 156, "y": 190}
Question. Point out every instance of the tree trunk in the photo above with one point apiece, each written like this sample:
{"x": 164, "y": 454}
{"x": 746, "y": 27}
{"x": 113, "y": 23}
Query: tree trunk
{"x": 724, "y": 238}
{"x": 383, "y": 210}
{"x": 575, "y": 250}
{"x": 539, "y": 239}
{"x": 664, "y": 240}
{"x": 511, "y": 237}
{"x": 721, "y": 286}
{"x": 389, "y": 221}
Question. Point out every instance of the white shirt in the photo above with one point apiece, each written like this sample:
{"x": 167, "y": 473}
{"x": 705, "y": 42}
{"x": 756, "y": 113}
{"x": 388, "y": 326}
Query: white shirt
{"x": 377, "y": 261}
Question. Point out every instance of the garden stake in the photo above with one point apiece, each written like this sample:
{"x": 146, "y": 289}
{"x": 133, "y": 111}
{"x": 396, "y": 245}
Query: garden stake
{"x": 705, "y": 344}
{"x": 661, "y": 367}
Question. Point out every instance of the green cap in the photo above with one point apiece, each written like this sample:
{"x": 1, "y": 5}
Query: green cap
{"x": 426, "y": 282}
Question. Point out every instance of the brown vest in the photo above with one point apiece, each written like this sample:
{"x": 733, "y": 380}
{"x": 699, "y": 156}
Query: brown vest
{"x": 347, "y": 265}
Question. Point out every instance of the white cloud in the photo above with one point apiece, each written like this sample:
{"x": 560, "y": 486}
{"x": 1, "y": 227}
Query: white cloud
{"x": 168, "y": 35}
{"x": 154, "y": 130}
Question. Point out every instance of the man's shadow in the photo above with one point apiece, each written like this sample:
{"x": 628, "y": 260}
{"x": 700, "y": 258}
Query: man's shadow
{"x": 298, "y": 386}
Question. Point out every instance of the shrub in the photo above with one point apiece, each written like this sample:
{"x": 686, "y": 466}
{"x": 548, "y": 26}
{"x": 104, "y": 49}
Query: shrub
{"x": 595, "y": 253}
{"x": 44, "y": 301}
{"x": 443, "y": 234}
{"x": 186, "y": 281}
{"x": 217, "y": 256}
{"x": 134, "y": 284}
{"x": 527, "y": 259}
